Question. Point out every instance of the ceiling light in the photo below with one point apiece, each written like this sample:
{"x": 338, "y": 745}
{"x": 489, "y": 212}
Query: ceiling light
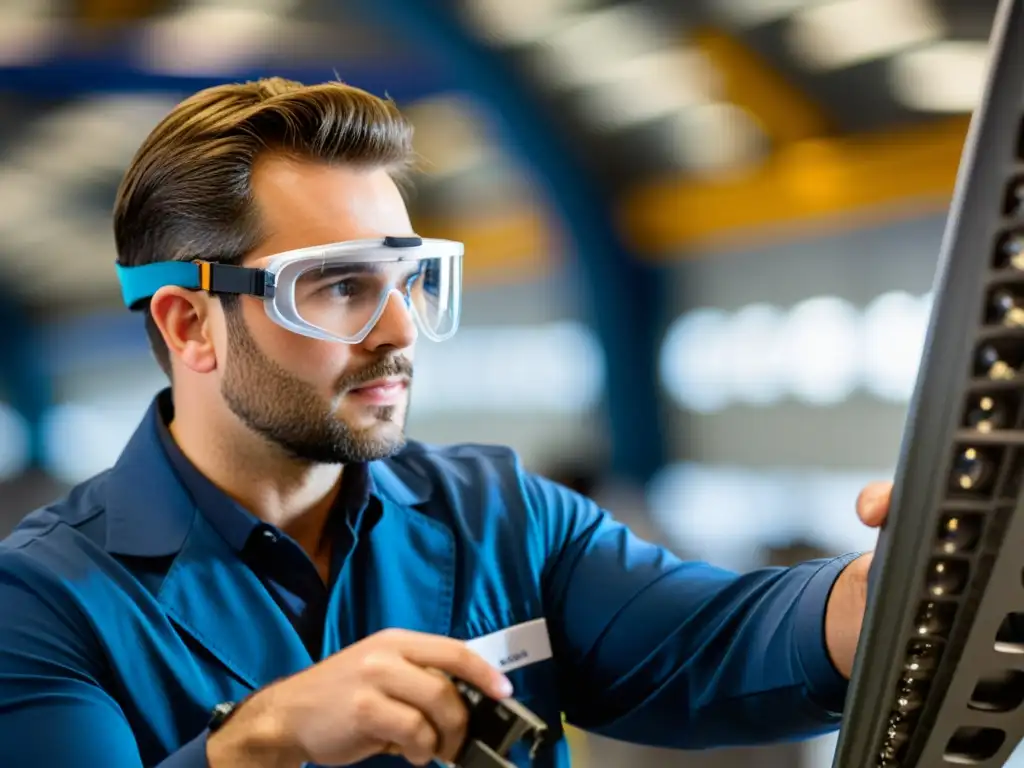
{"x": 449, "y": 135}
{"x": 894, "y": 328}
{"x": 553, "y": 368}
{"x": 94, "y": 134}
{"x": 208, "y": 39}
{"x": 847, "y": 32}
{"x": 27, "y": 39}
{"x": 945, "y": 77}
{"x": 520, "y": 22}
{"x": 24, "y": 199}
{"x": 817, "y": 352}
{"x": 650, "y": 87}
{"x": 819, "y": 335}
{"x": 592, "y": 47}
{"x": 717, "y": 138}
{"x": 753, "y": 335}
{"x": 694, "y": 366}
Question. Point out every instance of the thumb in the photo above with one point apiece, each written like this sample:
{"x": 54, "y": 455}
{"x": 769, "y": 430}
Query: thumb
{"x": 873, "y": 504}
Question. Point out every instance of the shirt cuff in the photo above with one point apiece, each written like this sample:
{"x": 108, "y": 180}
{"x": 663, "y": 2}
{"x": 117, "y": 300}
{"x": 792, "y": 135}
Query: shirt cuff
{"x": 191, "y": 755}
{"x": 826, "y": 686}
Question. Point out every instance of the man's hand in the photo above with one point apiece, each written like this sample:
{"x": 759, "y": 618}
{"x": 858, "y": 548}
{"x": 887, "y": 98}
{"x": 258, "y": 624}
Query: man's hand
{"x": 845, "y": 612}
{"x": 384, "y": 694}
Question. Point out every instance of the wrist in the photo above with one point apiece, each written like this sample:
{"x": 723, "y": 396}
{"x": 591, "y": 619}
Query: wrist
{"x": 814, "y": 653}
{"x": 255, "y": 736}
{"x": 844, "y": 614}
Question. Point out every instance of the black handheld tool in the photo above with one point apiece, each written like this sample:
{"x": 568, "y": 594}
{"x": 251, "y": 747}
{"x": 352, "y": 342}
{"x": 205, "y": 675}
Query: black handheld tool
{"x": 494, "y": 728}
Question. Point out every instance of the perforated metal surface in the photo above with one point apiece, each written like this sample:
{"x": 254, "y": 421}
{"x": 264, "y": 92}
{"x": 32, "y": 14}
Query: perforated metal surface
{"x": 939, "y": 678}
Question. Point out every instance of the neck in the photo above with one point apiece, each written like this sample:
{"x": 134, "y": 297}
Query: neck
{"x": 294, "y": 496}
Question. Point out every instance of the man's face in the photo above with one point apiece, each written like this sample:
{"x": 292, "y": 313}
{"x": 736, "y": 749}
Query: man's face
{"x": 305, "y": 395}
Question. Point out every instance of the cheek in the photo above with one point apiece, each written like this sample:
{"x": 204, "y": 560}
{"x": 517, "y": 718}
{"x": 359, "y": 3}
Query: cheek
{"x": 308, "y": 359}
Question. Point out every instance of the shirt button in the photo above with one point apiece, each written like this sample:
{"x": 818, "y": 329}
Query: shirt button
{"x": 270, "y": 535}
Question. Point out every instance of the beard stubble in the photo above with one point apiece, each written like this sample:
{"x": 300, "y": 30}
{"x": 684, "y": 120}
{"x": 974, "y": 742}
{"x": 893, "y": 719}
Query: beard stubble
{"x": 292, "y": 415}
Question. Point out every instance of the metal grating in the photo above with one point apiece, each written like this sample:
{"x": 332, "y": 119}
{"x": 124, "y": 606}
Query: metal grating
{"x": 939, "y": 678}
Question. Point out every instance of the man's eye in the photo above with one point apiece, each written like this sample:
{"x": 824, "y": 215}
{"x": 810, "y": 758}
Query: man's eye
{"x": 342, "y": 289}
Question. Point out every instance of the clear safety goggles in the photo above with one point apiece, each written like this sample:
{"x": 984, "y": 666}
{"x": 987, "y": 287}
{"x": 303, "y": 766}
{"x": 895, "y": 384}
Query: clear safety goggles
{"x": 334, "y": 292}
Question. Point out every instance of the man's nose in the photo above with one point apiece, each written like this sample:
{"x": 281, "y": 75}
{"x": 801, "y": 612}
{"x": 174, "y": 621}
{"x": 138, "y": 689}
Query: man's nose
{"x": 396, "y": 327}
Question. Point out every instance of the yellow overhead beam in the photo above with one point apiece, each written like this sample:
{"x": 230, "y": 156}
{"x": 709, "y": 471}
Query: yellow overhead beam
{"x": 785, "y": 113}
{"x": 817, "y": 185}
{"x": 808, "y": 183}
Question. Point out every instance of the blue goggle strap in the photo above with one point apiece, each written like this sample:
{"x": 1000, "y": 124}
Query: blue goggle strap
{"x": 138, "y": 284}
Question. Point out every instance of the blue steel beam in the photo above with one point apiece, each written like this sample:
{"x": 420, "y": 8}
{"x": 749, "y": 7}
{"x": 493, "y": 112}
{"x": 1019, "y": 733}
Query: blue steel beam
{"x": 625, "y": 306}
{"x": 66, "y": 76}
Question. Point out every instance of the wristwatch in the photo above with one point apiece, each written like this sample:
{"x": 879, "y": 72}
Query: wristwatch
{"x": 221, "y": 714}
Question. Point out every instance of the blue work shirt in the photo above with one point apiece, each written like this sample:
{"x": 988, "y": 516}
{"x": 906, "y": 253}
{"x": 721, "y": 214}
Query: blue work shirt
{"x": 277, "y": 560}
{"x": 128, "y": 613}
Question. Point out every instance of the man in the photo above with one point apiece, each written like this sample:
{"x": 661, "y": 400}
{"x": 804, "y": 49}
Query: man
{"x": 269, "y": 576}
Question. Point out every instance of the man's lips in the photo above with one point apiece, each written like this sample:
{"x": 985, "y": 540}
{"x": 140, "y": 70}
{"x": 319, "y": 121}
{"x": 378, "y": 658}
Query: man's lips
{"x": 385, "y": 391}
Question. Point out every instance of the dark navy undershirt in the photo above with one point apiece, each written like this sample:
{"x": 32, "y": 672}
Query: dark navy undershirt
{"x": 284, "y": 568}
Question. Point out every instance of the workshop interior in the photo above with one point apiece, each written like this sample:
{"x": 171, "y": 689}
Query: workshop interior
{"x": 701, "y": 242}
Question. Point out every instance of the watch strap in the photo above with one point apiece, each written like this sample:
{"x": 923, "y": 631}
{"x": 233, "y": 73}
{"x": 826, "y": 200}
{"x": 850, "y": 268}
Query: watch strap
{"x": 221, "y": 714}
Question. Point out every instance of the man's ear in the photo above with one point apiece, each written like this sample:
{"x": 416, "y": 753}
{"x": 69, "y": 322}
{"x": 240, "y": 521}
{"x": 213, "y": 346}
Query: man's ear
{"x": 183, "y": 317}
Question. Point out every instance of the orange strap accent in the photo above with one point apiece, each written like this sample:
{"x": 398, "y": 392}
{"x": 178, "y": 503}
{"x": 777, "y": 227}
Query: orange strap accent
{"x": 204, "y": 275}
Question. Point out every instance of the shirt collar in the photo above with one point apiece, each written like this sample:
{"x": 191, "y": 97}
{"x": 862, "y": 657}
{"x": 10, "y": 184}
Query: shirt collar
{"x": 232, "y": 521}
{"x": 150, "y": 511}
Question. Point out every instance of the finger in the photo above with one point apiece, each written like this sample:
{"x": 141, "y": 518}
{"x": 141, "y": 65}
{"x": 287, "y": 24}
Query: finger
{"x": 453, "y": 657}
{"x": 454, "y": 727}
{"x": 873, "y": 503}
{"x": 432, "y": 693}
{"x": 402, "y": 730}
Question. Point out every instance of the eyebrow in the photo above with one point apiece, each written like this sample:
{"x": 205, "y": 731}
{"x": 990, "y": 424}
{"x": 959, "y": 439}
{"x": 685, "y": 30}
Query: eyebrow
{"x": 340, "y": 270}
{"x": 343, "y": 270}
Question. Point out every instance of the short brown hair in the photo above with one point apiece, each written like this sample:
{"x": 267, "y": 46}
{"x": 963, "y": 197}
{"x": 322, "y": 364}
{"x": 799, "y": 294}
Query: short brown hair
{"x": 187, "y": 193}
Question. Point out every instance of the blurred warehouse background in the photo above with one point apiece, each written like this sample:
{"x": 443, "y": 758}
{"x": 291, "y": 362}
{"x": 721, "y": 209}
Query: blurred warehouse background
{"x": 700, "y": 239}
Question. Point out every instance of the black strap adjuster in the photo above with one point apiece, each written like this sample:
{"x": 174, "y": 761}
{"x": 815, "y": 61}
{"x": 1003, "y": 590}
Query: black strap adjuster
{"x": 227, "y": 278}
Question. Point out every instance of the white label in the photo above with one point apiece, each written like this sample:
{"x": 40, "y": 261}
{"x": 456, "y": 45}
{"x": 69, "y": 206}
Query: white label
{"x": 515, "y": 647}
